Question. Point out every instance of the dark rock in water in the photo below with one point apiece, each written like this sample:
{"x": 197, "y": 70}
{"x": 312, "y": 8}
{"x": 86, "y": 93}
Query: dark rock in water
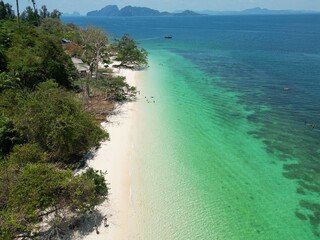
{"x": 301, "y": 216}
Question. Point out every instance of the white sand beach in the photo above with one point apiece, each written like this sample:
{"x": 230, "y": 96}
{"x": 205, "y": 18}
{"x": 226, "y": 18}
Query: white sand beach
{"x": 114, "y": 156}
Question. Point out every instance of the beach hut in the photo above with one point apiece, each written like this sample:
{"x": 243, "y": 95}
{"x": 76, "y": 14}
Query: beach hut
{"x": 82, "y": 68}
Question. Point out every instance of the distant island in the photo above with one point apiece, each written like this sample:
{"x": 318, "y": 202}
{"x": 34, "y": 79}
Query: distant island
{"x": 129, "y": 11}
{"x": 257, "y": 11}
{"x": 71, "y": 14}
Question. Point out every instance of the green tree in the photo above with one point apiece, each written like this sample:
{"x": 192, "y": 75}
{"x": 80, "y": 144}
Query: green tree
{"x": 44, "y": 13}
{"x": 42, "y": 190}
{"x": 33, "y": 17}
{"x": 95, "y": 43}
{"x": 6, "y": 35}
{"x": 117, "y": 89}
{"x": 30, "y": 16}
{"x": 3, "y": 61}
{"x": 44, "y": 132}
{"x": 97, "y": 177}
{"x": 8, "y": 176}
{"x": 55, "y": 14}
{"x": 3, "y": 11}
{"x": 59, "y": 30}
{"x": 8, "y": 82}
{"x": 6, "y": 11}
{"x": 41, "y": 56}
{"x": 27, "y": 154}
{"x": 55, "y": 120}
{"x": 8, "y": 136}
{"x": 129, "y": 54}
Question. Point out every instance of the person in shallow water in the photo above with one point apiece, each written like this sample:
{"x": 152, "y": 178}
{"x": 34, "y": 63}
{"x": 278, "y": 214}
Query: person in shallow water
{"x": 97, "y": 230}
{"x": 311, "y": 125}
{"x": 105, "y": 222}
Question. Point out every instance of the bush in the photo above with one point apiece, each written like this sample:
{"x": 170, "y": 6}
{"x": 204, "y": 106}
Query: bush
{"x": 52, "y": 118}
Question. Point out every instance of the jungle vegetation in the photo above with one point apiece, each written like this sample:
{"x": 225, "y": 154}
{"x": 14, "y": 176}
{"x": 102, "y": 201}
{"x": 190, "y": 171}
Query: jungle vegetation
{"x": 45, "y": 128}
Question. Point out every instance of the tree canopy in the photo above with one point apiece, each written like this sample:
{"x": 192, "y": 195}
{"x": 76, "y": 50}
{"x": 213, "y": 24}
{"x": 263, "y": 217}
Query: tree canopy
{"x": 94, "y": 42}
{"x": 6, "y": 11}
{"x": 128, "y": 53}
{"x": 117, "y": 89}
{"x": 45, "y": 132}
{"x": 54, "y": 119}
{"x": 44, "y": 127}
{"x": 34, "y": 16}
{"x": 8, "y": 136}
{"x": 40, "y": 56}
{"x": 38, "y": 190}
{"x": 3, "y": 61}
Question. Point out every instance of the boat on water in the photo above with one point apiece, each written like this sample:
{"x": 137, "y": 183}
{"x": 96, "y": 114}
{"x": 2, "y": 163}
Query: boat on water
{"x": 168, "y": 37}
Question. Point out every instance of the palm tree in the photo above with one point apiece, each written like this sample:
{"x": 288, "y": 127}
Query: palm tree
{"x": 18, "y": 14}
{"x": 34, "y": 5}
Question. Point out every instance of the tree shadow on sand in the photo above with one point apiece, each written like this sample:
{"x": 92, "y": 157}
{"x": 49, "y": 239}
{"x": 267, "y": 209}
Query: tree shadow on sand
{"x": 74, "y": 228}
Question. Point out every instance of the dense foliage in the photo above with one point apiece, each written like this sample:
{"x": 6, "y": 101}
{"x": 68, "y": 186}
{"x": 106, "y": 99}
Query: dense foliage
{"x": 94, "y": 42}
{"x": 117, "y": 89}
{"x": 6, "y": 11}
{"x": 8, "y": 136}
{"x": 128, "y": 53}
{"x": 33, "y": 56}
{"x": 3, "y": 61}
{"x": 35, "y": 17}
{"x": 36, "y": 191}
{"x": 59, "y": 30}
{"x": 44, "y": 130}
{"x": 40, "y": 128}
{"x": 52, "y": 118}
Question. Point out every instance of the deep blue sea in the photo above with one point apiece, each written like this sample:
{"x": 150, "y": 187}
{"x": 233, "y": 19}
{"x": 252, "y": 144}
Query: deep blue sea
{"x": 242, "y": 98}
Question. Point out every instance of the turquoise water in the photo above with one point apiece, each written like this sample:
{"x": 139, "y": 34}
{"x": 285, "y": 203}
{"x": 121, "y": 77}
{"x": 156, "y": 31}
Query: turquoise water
{"x": 225, "y": 152}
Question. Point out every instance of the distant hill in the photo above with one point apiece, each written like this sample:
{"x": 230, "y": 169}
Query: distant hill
{"x": 74, "y": 14}
{"x": 257, "y": 11}
{"x": 129, "y": 11}
{"x": 110, "y": 10}
{"x": 264, "y": 11}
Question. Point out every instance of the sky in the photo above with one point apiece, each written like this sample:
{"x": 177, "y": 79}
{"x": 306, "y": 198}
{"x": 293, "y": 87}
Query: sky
{"x": 84, "y": 6}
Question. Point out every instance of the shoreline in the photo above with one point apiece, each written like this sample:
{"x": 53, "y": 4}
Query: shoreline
{"x": 114, "y": 156}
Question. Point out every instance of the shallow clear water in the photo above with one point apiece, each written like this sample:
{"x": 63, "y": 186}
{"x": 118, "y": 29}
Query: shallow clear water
{"x": 230, "y": 147}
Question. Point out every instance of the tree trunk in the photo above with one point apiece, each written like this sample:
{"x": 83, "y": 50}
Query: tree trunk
{"x": 35, "y": 11}
{"x": 18, "y": 14}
